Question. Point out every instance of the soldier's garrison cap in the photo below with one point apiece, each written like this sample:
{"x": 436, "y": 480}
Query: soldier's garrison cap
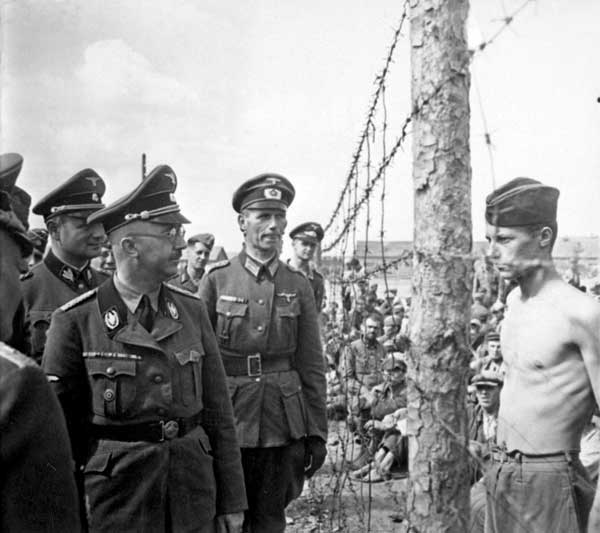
{"x": 153, "y": 200}
{"x": 208, "y": 239}
{"x": 267, "y": 191}
{"x": 309, "y": 231}
{"x": 522, "y": 202}
{"x": 489, "y": 378}
{"x": 81, "y": 192}
{"x": 14, "y": 201}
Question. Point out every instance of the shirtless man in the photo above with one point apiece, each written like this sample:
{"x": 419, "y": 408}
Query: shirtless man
{"x": 551, "y": 346}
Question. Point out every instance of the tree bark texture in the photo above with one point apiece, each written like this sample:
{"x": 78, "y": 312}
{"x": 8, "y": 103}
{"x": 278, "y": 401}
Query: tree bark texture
{"x": 438, "y": 498}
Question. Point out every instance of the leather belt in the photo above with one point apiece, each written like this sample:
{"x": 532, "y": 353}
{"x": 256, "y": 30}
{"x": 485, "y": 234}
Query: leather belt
{"x": 255, "y": 365}
{"x": 157, "y": 431}
{"x": 516, "y": 456}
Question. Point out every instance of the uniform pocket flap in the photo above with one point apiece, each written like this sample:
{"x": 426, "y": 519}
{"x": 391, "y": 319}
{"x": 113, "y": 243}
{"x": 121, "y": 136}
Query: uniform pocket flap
{"x": 110, "y": 368}
{"x": 227, "y": 308}
{"x": 194, "y": 354}
{"x": 290, "y": 387}
{"x": 98, "y": 463}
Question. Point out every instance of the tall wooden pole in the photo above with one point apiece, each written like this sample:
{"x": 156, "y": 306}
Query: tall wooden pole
{"x": 438, "y": 498}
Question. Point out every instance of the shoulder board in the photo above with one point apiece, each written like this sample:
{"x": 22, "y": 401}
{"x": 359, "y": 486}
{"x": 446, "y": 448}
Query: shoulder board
{"x": 217, "y": 265}
{"x": 76, "y": 301}
{"x": 25, "y": 276}
{"x": 185, "y": 292}
{"x": 15, "y": 357}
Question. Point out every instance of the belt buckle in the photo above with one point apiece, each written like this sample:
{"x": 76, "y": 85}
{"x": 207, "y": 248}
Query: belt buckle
{"x": 169, "y": 430}
{"x": 254, "y": 365}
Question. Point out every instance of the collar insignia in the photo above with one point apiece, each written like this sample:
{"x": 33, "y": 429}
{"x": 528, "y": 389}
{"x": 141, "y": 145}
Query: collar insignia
{"x": 111, "y": 318}
{"x": 173, "y": 311}
{"x": 67, "y": 273}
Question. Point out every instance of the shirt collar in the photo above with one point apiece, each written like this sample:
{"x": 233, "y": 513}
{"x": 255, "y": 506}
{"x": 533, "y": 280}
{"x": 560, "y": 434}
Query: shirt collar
{"x": 254, "y": 266}
{"x": 132, "y": 297}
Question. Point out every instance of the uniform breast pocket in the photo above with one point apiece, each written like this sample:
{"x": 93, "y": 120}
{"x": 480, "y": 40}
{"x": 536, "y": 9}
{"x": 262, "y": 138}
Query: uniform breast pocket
{"x": 113, "y": 387}
{"x": 230, "y": 316}
{"x": 190, "y": 374}
{"x": 287, "y": 325}
{"x": 39, "y": 324}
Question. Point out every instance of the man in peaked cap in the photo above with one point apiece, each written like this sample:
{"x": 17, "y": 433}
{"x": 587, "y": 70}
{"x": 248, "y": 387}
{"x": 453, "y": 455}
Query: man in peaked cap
{"x": 305, "y": 240}
{"x": 37, "y": 486}
{"x": 550, "y": 343}
{"x": 198, "y": 252}
{"x": 65, "y": 271}
{"x": 265, "y": 318}
{"x": 137, "y": 369}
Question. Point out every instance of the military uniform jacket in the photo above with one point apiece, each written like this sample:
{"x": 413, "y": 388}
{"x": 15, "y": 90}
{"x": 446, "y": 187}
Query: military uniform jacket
{"x": 184, "y": 281}
{"x": 46, "y": 287}
{"x": 108, "y": 370}
{"x": 363, "y": 362}
{"x": 318, "y": 286}
{"x": 270, "y": 312}
{"x": 37, "y": 485}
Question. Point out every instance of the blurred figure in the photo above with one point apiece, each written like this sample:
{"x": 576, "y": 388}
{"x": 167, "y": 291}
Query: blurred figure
{"x": 198, "y": 253}
{"x": 37, "y": 484}
{"x": 39, "y": 239}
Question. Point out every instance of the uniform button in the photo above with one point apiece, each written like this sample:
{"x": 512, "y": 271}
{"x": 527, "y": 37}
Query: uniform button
{"x": 110, "y": 370}
{"x": 228, "y": 313}
{"x": 80, "y": 285}
{"x": 261, "y": 301}
{"x": 158, "y": 379}
{"x": 109, "y": 395}
{"x": 162, "y": 412}
{"x": 260, "y": 328}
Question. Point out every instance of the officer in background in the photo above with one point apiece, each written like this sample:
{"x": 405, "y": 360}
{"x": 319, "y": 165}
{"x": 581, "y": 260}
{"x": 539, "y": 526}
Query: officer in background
{"x": 265, "y": 318}
{"x": 39, "y": 239}
{"x": 198, "y": 252}
{"x": 137, "y": 370}
{"x": 37, "y": 487}
{"x": 305, "y": 240}
{"x": 65, "y": 272}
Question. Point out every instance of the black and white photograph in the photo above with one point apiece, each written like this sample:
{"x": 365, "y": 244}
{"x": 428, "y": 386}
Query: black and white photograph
{"x": 303, "y": 267}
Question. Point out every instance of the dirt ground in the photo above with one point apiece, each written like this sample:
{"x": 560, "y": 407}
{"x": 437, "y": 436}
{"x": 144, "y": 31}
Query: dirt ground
{"x": 333, "y": 502}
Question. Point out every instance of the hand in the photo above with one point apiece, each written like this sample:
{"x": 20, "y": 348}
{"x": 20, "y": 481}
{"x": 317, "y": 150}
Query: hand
{"x": 230, "y": 523}
{"x": 314, "y": 455}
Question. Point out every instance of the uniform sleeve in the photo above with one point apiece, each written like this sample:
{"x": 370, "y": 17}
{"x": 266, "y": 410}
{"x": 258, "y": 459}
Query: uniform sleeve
{"x": 219, "y": 425}
{"x": 310, "y": 363}
{"x": 207, "y": 292}
{"x": 63, "y": 364}
{"x": 37, "y": 485}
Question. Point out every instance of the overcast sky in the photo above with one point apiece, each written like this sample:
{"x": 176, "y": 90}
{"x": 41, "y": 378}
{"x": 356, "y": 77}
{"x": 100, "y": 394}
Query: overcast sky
{"x": 225, "y": 90}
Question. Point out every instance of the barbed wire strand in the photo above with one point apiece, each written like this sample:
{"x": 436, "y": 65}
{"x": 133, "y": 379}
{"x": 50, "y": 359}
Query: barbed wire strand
{"x": 379, "y": 79}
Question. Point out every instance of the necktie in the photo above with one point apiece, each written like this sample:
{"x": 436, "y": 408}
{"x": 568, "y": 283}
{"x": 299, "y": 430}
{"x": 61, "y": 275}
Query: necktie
{"x": 146, "y": 314}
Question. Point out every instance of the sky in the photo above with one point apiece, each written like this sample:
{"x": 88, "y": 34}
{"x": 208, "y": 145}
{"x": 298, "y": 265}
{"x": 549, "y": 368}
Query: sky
{"x": 223, "y": 91}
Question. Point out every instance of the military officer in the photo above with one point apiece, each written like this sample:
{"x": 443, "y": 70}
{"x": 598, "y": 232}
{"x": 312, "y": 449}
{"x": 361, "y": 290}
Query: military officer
{"x": 305, "y": 239}
{"x": 137, "y": 369}
{"x": 65, "y": 271}
{"x": 265, "y": 318}
{"x": 37, "y": 486}
{"x": 198, "y": 252}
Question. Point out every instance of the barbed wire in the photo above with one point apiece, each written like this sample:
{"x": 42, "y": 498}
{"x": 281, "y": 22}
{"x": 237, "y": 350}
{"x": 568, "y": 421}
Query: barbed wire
{"x": 416, "y": 110}
{"x": 380, "y": 80}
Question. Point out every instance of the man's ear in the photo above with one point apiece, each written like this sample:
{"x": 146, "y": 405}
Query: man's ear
{"x": 53, "y": 227}
{"x": 242, "y": 222}
{"x": 546, "y": 236}
{"x": 127, "y": 244}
